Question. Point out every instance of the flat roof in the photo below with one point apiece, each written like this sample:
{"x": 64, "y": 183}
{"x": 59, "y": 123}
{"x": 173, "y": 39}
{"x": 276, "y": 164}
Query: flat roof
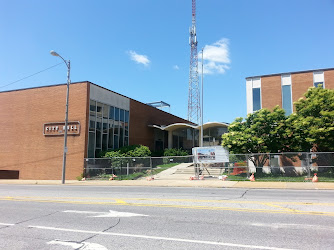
{"x": 44, "y": 86}
{"x": 292, "y": 72}
{"x": 55, "y": 85}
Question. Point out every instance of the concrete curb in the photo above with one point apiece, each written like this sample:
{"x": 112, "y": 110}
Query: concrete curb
{"x": 182, "y": 183}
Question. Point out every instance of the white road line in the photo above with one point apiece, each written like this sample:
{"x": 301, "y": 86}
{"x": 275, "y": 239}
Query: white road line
{"x": 75, "y": 245}
{"x": 159, "y": 238}
{"x": 293, "y": 226}
{"x": 111, "y": 213}
{"x": 6, "y": 224}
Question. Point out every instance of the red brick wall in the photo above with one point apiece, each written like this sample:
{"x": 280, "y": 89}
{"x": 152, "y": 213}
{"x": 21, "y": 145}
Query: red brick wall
{"x": 142, "y": 115}
{"x": 271, "y": 92}
{"x": 329, "y": 79}
{"x": 300, "y": 84}
{"x": 23, "y": 146}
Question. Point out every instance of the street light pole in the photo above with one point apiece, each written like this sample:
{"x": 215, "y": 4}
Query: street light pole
{"x": 68, "y": 65}
{"x": 201, "y": 143}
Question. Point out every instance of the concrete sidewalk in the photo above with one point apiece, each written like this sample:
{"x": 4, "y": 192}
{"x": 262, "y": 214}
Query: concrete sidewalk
{"x": 178, "y": 176}
{"x": 206, "y": 183}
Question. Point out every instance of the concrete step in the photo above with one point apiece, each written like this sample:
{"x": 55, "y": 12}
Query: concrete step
{"x": 190, "y": 171}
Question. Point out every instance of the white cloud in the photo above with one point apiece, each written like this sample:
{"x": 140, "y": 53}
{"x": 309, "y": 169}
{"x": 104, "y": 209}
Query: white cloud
{"x": 141, "y": 59}
{"x": 216, "y": 58}
{"x": 176, "y": 67}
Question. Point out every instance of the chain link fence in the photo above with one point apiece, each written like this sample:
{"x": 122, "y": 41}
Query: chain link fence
{"x": 130, "y": 167}
{"x": 273, "y": 167}
{"x": 265, "y": 167}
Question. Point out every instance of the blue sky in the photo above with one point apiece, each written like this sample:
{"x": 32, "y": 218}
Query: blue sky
{"x": 141, "y": 49}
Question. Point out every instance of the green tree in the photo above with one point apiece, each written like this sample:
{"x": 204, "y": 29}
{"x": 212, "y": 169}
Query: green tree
{"x": 312, "y": 125}
{"x": 263, "y": 131}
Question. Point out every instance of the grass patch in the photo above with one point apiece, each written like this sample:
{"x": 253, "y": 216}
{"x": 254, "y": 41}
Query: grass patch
{"x": 268, "y": 178}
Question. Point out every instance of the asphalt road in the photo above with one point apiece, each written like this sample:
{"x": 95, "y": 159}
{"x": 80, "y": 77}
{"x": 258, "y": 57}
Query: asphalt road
{"x": 104, "y": 217}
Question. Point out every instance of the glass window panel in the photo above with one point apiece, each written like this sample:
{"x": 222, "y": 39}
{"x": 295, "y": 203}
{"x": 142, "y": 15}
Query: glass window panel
{"x": 316, "y": 84}
{"x": 126, "y": 131}
{"x": 126, "y": 141}
{"x": 122, "y": 117}
{"x": 105, "y": 126}
{"x": 206, "y": 137}
{"x": 104, "y": 142}
{"x": 99, "y": 109}
{"x": 99, "y": 123}
{"x": 111, "y": 113}
{"x": 286, "y": 96}
{"x": 98, "y": 139}
{"x": 105, "y": 111}
{"x": 175, "y": 141}
{"x": 121, "y": 136}
{"x": 92, "y": 105}
{"x": 256, "y": 99}
{"x": 116, "y": 128}
{"x": 92, "y": 123}
{"x": 196, "y": 142}
{"x": 91, "y": 145}
{"x": 126, "y": 116}
{"x": 97, "y": 152}
{"x": 110, "y": 140}
{"x": 116, "y": 114}
{"x": 116, "y": 141}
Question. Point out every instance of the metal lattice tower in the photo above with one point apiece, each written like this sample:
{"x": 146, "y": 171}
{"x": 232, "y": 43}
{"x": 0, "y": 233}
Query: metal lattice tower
{"x": 194, "y": 93}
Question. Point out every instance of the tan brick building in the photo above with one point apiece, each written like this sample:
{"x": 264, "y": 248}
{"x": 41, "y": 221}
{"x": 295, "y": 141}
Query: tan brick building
{"x": 283, "y": 89}
{"x": 32, "y": 128}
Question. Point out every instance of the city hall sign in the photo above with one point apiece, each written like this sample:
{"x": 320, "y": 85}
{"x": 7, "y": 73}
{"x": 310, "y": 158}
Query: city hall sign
{"x": 58, "y": 128}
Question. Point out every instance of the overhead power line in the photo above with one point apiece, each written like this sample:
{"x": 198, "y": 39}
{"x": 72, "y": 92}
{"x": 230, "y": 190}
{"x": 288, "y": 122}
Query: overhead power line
{"x": 30, "y": 75}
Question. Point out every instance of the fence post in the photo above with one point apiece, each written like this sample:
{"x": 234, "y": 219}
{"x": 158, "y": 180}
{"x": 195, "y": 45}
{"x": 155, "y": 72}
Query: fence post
{"x": 308, "y": 166}
{"x": 127, "y": 169}
{"x": 151, "y": 165}
{"x": 248, "y": 175}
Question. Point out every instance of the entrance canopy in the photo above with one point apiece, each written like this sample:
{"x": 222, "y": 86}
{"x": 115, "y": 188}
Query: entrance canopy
{"x": 175, "y": 126}
{"x": 186, "y": 136}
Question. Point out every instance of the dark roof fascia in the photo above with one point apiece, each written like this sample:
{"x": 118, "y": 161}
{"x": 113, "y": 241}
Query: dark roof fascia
{"x": 292, "y": 72}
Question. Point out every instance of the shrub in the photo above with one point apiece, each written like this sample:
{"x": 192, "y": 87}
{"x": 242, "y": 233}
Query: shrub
{"x": 175, "y": 152}
{"x": 129, "y": 151}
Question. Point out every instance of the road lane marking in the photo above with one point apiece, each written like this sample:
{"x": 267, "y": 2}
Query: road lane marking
{"x": 6, "y": 224}
{"x": 122, "y": 200}
{"x": 280, "y": 207}
{"x": 293, "y": 226}
{"x": 78, "y": 245}
{"x": 158, "y": 238}
{"x": 111, "y": 213}
{"x": 72, "y": 201}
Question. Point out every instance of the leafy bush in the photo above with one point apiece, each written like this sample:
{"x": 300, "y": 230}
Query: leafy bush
{"x": 175, "y": 152}
{"x": 129, "y": 151}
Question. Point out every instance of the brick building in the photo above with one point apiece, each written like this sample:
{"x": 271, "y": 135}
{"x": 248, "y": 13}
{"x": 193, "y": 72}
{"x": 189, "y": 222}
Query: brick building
{"x": 283, "y": 89}
{"x": 32, "y": 129}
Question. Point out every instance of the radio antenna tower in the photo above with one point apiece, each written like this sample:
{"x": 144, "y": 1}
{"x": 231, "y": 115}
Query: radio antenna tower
{"x": 194, "y": 95}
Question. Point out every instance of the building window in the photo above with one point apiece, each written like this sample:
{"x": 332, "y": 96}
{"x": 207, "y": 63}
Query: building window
{"x": 318, "y": 79}
{"x": 213, "y": 136}
{"x": 108, "y": 128}
{"x": 316, "y": 84}
{"x": 253, "y": 94}
{"x": 286, "y": 99}
{"x": 286, "y": 94}
{"x": 256, "y": 99}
